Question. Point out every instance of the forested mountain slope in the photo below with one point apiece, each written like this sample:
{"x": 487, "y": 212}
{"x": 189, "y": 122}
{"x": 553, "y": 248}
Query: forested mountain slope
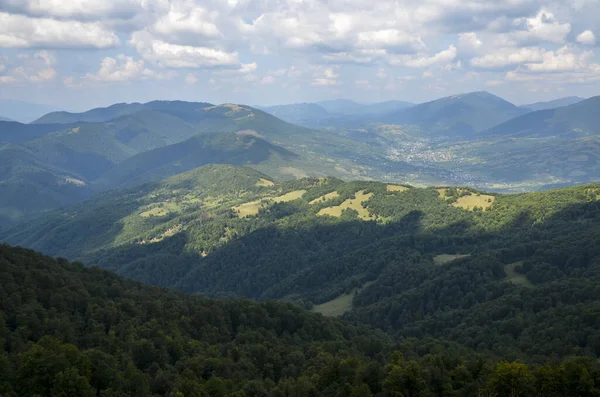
{"x": 556, "y": 103}
{"x": 70, "y": 331}
{"x": 459, "y": 116}
{"x": 579, "y": 119}
{"x": 126, "y": 144}
{"x": 488, "y": 271}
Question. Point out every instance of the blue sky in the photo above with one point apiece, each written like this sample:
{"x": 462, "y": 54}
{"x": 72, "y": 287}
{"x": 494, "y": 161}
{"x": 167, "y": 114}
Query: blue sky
{"x": 78, "y": 54}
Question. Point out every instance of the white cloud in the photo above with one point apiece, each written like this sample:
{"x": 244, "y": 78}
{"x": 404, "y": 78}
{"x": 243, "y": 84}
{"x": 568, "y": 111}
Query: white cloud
{"x": 469, "y": 42}
{"x": 35, "y": 67}
{"x": 544, "y": 27}
{"x": 181, "y": 56}
{"x": 424, "y": 61}
{"x": 389, "y": 38}
{"x": 121, "y": 68}
{"x": 186, "y": 22}
{"x": 508, "y": 57}
{"x": 561, "y": 60}
{"x": 18, "y": 31}
{"x": 91, "y": 9}
{"x": 587, "y": 37}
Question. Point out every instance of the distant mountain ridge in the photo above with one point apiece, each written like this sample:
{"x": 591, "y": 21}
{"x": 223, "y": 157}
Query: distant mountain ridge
{"x": 580, "y": 118}
{"x": 333, "y": 112}
{"x": 556, "y": 103}
{"x": 117, "y": 110}
{"x": 458, "y": 116}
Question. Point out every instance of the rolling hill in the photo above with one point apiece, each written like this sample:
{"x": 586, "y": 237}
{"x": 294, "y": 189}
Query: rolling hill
{"x": 118, "y": 110}
{"x": 335, "y": 113}
{"x": 14, "y": 132}
{"x": 457, "y": 117}
{"x": 414, "y": 262}
{"x": 223, "y": 148}
{"x": 29, "y": 186}
{"x": 556, "y": 103}
{"x": 579, "y": 119}
{"x": 71, "y": 331}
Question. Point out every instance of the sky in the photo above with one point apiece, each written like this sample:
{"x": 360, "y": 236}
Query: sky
{"x": 77, "y": 54}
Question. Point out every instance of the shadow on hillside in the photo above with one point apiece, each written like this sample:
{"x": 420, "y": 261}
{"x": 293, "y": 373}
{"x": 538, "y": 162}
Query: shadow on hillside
{"x": 326, "y": 258}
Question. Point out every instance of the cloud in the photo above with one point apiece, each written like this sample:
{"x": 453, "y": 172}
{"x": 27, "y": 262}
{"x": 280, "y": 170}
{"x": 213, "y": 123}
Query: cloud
{"x": 18, "y": 31}
{"x": 544, "y": 27}
{"x": 186, "y": 22}
{"x": 35, "y": 67}
{"x": 562, "y": 60}
{"x": 325, "y": 77}
{"x": 587, "y": 37}
{"x": 469, "y": 42}
{"x": 424, "y": 61}
{"x": 121, "y": 68}
{"x": 85, "y": 9}
{"x": 170, "y": 55}
{"x": 389, "y": 38}
{"x": 508, "y": 57}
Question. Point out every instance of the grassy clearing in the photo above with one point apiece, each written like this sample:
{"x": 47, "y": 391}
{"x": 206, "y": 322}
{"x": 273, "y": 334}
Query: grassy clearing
{"x": 253, "y": 207}
{"x": 264, "y": 183}
{"x": 340, "y": 305}
{"x": 291, "y": 196}
{"x": 248, "y": 209}
{"x": 442, "y": 259}
{"x": 442, "y": 193}
{"x": 162, "y": 209}
{"x": 516, "y": 278}
{"x": 355, "y": 203}
{"x": 396, "y": 188}
{"x": 328, "y": 196}
{"x": 337, "y": 306}
{"x": 469, "y": 202}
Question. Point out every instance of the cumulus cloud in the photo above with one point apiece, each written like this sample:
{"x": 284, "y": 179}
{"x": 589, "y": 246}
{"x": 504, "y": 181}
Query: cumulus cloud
{"x": 424, "y": 61}
{"x": 92, "y": 9}
{"x": 35, "y": 67}
{"x": 122, "y": 68}
{"x": 186, "y": 22}
{"x": 543, "y": 27}
{"x": 562, "y": 60}
{"x": 18, "y": 31}
{"x": 587, "y": 37}
{"x": 508, "y": 57}
{"x": 181, "y": 56}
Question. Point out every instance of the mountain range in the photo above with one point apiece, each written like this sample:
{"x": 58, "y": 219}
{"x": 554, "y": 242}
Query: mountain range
{"x": 476, "y": 139}
{"x": 377, "y": 256}
{"x": 415, "y": 262}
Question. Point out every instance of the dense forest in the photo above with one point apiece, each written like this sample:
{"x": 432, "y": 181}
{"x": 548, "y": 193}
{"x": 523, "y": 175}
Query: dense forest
{"x": 517, "y": 275}
{"x": 67, "y": 330}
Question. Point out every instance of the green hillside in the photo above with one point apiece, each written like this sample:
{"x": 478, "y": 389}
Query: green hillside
{"x": 13, "y": 132}
{"x": 28, "y": 186}
{"x": 70, "y": 331}
{"x": 575, "y": 120}
{"x": 124, "y": 145}
{"x": 458, "y": 116}
{"x": 223, "y": 148}
{"x": 487, "y": 271}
